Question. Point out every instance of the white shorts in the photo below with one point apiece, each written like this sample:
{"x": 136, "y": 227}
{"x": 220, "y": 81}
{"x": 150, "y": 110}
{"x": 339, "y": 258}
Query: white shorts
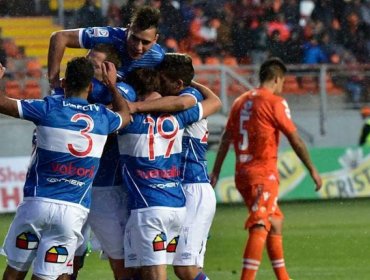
{"x": 47, "y": 231}
{"x": 152, "y": 235}
{"x": 200, "y": 210}
{"x": 108, "y": 217}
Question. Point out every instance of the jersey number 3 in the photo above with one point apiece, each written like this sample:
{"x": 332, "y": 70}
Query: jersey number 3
{"x": 84, "y": 133}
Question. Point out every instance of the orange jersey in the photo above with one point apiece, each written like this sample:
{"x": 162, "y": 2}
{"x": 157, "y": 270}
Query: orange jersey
{"x": 255, "y": 121}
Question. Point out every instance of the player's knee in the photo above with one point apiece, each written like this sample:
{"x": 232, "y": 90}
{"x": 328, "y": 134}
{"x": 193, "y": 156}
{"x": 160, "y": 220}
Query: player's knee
{"x": 186, "y": 272}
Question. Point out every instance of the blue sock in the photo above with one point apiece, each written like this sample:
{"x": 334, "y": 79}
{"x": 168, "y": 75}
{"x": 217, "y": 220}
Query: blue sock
{"x": 201, "y": 276}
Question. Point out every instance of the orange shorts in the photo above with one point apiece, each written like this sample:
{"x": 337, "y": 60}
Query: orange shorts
{"x": 261, "y": 200}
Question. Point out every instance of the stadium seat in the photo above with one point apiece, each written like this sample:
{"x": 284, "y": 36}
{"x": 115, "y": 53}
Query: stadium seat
{"x": 33, "y": 67}
{"x": 13, "y": 89}
{"x": 291, "y": 85}
{"x": 230, "y": 61}
{"x": 309, "y": 84}
{"x": 32, "y": 89}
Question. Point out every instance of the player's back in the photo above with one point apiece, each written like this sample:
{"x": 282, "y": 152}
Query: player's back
{"x": 194, "y": 164}
{"x": 258, "y": 116}
{"x": 150, "y": 149}
{"x": 70, "y": 138}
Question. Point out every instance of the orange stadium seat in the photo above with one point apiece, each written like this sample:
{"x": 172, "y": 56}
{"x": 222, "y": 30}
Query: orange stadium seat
{"x": 13, "y": 89}
{"x": 34, "y": 68}
{"x": 32, "y": 89}
{"x": 309, "y": 84}
{"x": 230, "y": 61}
{"x": 291, "y": 85}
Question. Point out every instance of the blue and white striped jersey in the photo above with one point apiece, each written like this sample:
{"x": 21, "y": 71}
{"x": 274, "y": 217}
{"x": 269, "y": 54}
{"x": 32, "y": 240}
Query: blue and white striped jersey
{"x": 71, "y": 134}
{"x": 150, "y": 152}
{"x": 117, "y": 36}
{"x": 194, "y": 164}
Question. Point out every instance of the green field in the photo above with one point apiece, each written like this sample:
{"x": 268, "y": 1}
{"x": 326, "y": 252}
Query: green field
{"x": 323, "y": 240}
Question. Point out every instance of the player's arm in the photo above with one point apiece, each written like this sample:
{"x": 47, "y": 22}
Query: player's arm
{"x": 163, "y": 104}
{"x": 300, "y": 149}
{"x": 8, "y": 106}
{"x": 223, "y": 148}
{"x": 211, "y": 103}
{"x": 59, "y": 41}
{"x": 119, "y": 104}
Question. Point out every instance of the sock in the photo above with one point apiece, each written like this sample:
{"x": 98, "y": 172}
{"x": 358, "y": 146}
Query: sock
{"x": 275, "y": 251}
{"x": 201, "y": 276}
{"x": 253, "y": 253}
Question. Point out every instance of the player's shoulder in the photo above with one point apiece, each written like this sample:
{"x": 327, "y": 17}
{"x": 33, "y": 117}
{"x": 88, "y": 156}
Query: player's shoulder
{"x": 190, "y": 91}
{"x": 127, "y": 91}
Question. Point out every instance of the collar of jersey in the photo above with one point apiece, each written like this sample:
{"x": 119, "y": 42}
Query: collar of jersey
{"x": 77, "y": 100}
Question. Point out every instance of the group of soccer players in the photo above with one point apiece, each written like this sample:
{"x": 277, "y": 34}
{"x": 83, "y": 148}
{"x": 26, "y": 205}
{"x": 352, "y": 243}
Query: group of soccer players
{"x": 151, "y": 201}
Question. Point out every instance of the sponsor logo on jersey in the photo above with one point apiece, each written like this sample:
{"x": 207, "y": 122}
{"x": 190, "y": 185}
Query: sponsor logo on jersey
{"x": 101, "y": 32}
{"x": 159, "y": 242}
{"x": 171, "y": 247}
{"x": 56, "y": 254}
{"x": 87, "y": 107}
{"x": 71, "y": 170}
{"x": 159, "y": 173}
{"x": 27, "y": 241}
{"x": 64, "y": 180}
{"x": 164, "y": 186}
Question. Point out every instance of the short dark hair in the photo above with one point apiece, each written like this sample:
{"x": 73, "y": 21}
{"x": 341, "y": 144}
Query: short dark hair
{"x": 271, "y": 68}
{"x": 177, "y": 66}
{"x": 78, "y": 76}
{"x": 144, "y": 80}
{"x": 111, "y": 52}
{"x": 145, "y": 17}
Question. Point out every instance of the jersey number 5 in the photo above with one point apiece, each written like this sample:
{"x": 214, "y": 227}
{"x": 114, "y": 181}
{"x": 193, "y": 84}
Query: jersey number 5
{"x": 168, "y": 135}
{"x": 85, "y": 133}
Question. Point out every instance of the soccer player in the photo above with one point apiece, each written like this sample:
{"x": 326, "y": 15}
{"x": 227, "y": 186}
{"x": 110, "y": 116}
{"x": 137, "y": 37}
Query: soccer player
{"x": 177, "y": 73}
{"x": 108, "y": 212}
{"x": 136, "y": 45}
{"x": 150, "y": 149}
{"x": 71, "y": 134}
{"x": 256, "y": 119}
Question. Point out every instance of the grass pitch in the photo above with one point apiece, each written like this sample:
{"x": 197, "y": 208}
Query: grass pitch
{"x": 323, "y": 240}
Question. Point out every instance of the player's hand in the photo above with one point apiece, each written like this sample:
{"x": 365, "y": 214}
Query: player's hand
{"x": 317, "y": 179}
{"x": 2, "y": 71}
{"x": 109, "y": 73}
{"x": 214, "y": 179}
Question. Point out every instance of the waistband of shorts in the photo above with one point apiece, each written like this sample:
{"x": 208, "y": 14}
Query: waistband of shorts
{"x": 56, "y": 201}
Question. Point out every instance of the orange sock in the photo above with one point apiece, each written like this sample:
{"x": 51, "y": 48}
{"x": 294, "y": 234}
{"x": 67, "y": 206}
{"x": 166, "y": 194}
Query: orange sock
{"x": 253, "y": 253}
{"x": 275, "y": 251}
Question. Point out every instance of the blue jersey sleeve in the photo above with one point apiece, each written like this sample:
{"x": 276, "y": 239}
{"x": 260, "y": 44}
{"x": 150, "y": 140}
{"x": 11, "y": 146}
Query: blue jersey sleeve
{"x": 192, "y": 114}
{"x": 126, "y": 91}
{"x": 190, "y": 91}
{"x": 91, "y": 36}
{"x": 33, "y": 109}
{"x": 114, "y": 120}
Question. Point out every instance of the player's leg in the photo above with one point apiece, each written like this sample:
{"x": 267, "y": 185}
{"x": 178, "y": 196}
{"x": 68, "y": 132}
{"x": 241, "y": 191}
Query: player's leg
{"x": 274, "y": 245}
{"x": 13, "y": 274}
{"x": 59, "y": 242}
{"x": 259, "y": 199}
{"x": 107, "y": 218}
{"x": 154, "y": 272}
{"x": 22, "y": 240}
{"x": 81, "y": 252}
{"x": 200, "y": 210}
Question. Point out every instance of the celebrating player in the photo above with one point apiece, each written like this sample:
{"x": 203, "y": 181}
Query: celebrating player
{"x": 150, "y": 151}
{"x": 255, "y": 121}
{"x": 136, "y": 45}
{"x": 71, "y": 134}
{"x": 177, "y": 73}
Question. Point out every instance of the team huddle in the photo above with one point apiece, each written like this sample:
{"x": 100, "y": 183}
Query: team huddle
{"x": 133, "y": 165}
{"x": 120, "y": 149}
